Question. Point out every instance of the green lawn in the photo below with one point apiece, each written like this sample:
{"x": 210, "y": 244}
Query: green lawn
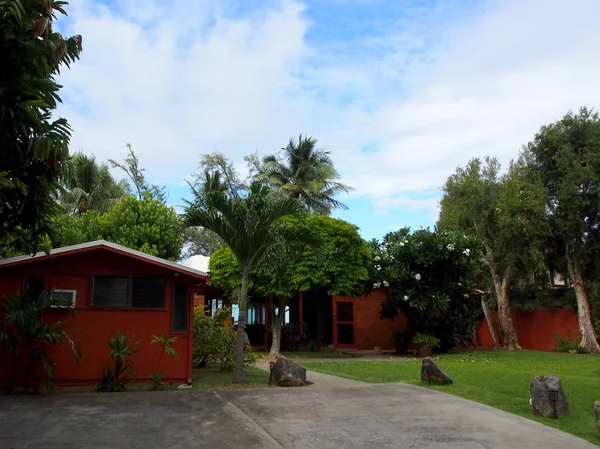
{"x": 322, "y": 354}
{"x": 213, "y": 378}
{"x": 500, "y": 379}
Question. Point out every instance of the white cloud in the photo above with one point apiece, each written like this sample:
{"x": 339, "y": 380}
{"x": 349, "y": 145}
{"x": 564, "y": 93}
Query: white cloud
{"x": 430, "y": 91}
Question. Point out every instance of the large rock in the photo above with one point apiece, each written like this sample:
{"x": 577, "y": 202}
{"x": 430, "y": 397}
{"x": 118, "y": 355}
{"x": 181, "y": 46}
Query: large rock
{"x": 432, "y": 373}
{"x": 543, "y": 388}
{"x": 287, "y": 373}
{"x": 597, "y": 411}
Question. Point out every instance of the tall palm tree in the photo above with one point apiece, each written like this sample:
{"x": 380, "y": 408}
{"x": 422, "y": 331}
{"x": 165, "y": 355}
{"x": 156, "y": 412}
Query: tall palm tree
{"x": 253, "y": 227}
{"x": 89, "y": 185}
{"x": 307, "y": 173}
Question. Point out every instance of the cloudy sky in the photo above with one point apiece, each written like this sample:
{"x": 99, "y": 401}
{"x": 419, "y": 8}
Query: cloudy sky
{"x": 400, "y": 91}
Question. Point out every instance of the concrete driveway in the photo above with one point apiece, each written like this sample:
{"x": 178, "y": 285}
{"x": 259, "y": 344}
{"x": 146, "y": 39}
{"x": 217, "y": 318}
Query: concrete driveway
{"x": 331, "y": 413}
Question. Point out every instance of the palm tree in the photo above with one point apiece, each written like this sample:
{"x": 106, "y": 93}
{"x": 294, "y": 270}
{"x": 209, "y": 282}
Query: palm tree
{"x": 89, "y": 186}
{"x": 307, "y": 173}
{"x": 253, "y": 227}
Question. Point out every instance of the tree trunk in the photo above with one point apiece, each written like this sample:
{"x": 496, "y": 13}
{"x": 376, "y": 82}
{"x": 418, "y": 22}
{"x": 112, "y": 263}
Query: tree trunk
{"x": 586, "y": 328}
{"x": 210, "y": 244}
{"x": 488, "y": 318}
{"x": 501, "y": 283}
{"x": 238, "y": 375}
{"x": 276, "y": 328}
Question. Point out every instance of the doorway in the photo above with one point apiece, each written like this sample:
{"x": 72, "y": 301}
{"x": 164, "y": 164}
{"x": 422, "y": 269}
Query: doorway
{"x": 343, "y": 323}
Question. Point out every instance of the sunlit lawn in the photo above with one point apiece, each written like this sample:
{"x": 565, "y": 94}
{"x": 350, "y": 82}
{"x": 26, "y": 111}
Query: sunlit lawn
{"x": 322, "y": 354}
{"x": 500, "y": 379}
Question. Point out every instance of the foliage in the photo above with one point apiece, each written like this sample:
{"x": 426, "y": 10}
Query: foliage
{"x": 122, "y": 350}
{"x": 217, "y": 162}
{"x": 33, "y": 145}
{"x": 500, "y": 379}
{"x": 146, "y": 225}
{"x": 426, "y": 340}
{"x": 214, "y": 339}
{"x": 142, "y": 188}
{"x": 24, "y": 332}
{"x": 89, "y": 186}
{"x": 304, "y": 172}
{"x": 166, "y": 344}
{"x": 251, "y": 225}
{"x": 428, "y": 271}
{"x": 197, "y": 240}
{"x": 569, "y": 343}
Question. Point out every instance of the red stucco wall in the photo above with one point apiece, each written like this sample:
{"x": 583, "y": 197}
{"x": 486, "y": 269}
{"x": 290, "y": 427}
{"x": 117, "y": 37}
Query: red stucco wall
{"x": 91, "y": 328}
{"x": 536, "y": 328}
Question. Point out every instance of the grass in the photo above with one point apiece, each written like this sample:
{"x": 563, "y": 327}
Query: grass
{"x": 322, "y": 354}
{"x": 497, "y": 378}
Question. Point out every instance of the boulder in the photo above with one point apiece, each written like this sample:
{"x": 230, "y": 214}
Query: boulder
{"x": 432, "y": 373}
{"x": 597, "y": 411}
{"x": 548, "y": 398}
{"x": 287, "y": 373}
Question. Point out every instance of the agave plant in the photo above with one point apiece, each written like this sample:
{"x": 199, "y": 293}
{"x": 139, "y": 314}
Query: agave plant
{"x": 24, "y": 331}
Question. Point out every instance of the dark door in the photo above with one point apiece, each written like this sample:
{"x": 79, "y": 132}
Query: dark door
{"x": 343, "y": 323}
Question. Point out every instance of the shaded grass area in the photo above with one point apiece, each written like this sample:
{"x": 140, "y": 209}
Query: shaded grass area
{"x": 500, "y": 379}
{"x": 322, "y": 354}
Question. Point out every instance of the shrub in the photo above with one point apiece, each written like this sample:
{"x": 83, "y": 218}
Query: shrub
{"x": 214, "y": 340}
{"x": 167, "y": 348}
{"x": 122, "y": 351}
{"x": 569, "y": 342}
{"x": 426, "y": 340}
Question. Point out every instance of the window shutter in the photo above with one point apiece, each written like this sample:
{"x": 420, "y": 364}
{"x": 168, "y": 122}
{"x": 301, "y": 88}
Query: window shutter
{"x": 148, "y": 293}
{"x": 109, "y": 291}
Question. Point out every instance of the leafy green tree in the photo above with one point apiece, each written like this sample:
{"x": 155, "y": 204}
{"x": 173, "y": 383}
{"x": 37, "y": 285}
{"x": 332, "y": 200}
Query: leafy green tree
{"x": 507, "y": 213}
{"x": 141, "y": 187}
{"x": 89, "y": 186}
{"x": 24, "y": 331}
{"x": 33, "y": 145}
{"x": 427, "y": 271}
{"x": 331, "y": 255}
{"x": 145, "y": 224}
{"x": 565, "y": 156}
{"x": 304, "y": 172}
{"x": 197, "y": 240}
{"x": 251, "y": 225}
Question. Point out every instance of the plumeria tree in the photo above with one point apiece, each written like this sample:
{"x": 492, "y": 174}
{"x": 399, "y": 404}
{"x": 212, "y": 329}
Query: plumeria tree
{"x": 430, "y": 276}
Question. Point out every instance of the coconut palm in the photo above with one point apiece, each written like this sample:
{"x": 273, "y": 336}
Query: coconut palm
{"x": 307, "y": 173}
{"x": 254, "y": 228}
{"x": 89, "y": 186}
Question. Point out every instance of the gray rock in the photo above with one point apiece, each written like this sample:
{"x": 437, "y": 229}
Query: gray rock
{"x": 287, "y": 373}
{"x": 597, "y": 411}
{"x": 432, "y": 373}
{"x": 541, "y": 397}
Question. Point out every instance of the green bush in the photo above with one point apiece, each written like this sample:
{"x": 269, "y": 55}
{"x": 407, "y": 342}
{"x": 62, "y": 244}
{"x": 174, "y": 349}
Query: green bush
{"x": 121, "y": 351}
{"x": 569, "y": 342}
{"x": 214, "y": 340}
{"x": 426, "y": 340}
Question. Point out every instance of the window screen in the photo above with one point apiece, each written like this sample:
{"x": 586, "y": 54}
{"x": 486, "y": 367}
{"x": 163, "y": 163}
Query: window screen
{"x": 179, "y": 314}
{"x": 148, "y": 293}
{"x": 109, "y": 291}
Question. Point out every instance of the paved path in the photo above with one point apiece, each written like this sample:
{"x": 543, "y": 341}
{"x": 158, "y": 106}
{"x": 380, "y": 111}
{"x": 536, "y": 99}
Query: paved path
{"x": 331, "y": 413}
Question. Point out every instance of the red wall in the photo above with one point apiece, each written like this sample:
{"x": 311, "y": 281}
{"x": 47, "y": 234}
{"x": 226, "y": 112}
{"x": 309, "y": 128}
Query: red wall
{"x": 369, "y": 329}
{"x": 91, "y": 328}
{"x": 536, "y": 328}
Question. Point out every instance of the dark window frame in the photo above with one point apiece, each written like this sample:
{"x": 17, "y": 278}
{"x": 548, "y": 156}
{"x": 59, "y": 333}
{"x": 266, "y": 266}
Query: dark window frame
{"x": 129, "y": 293}
{"x": 174, "y": 299}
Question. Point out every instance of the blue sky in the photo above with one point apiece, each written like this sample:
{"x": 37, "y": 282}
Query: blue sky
{"x": 401, "y": 92}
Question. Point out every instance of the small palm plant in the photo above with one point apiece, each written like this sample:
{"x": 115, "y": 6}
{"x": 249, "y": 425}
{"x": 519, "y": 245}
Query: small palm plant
{"x": 23, "y": 331}
{"x": 122, "y": 351}
{"x": 166, "y": 343}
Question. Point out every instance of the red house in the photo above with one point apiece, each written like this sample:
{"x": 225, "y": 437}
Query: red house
{"x": 112, "y": 288}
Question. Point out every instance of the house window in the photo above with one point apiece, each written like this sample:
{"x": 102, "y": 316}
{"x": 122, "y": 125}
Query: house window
{"x": 68, "y": 296}
{"x": 148, "y": 293}
{"x": 109, "y": 291}
{"x": 181, "y": 307}
{"x": 34, "y": 287}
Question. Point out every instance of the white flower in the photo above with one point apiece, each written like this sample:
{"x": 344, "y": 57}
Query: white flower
{"x": 450, "y": 247}
{"x": 406, "y": 298}
{"x": 377, "y": 258}
{"x": 386, "y": 284}
{"x": 467, "y": 252}
{"x": 418, "y": 277}
{"x": 401, "y": 243}
{"x": 377, "y": 285}
{"x": 378, "y": 267}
